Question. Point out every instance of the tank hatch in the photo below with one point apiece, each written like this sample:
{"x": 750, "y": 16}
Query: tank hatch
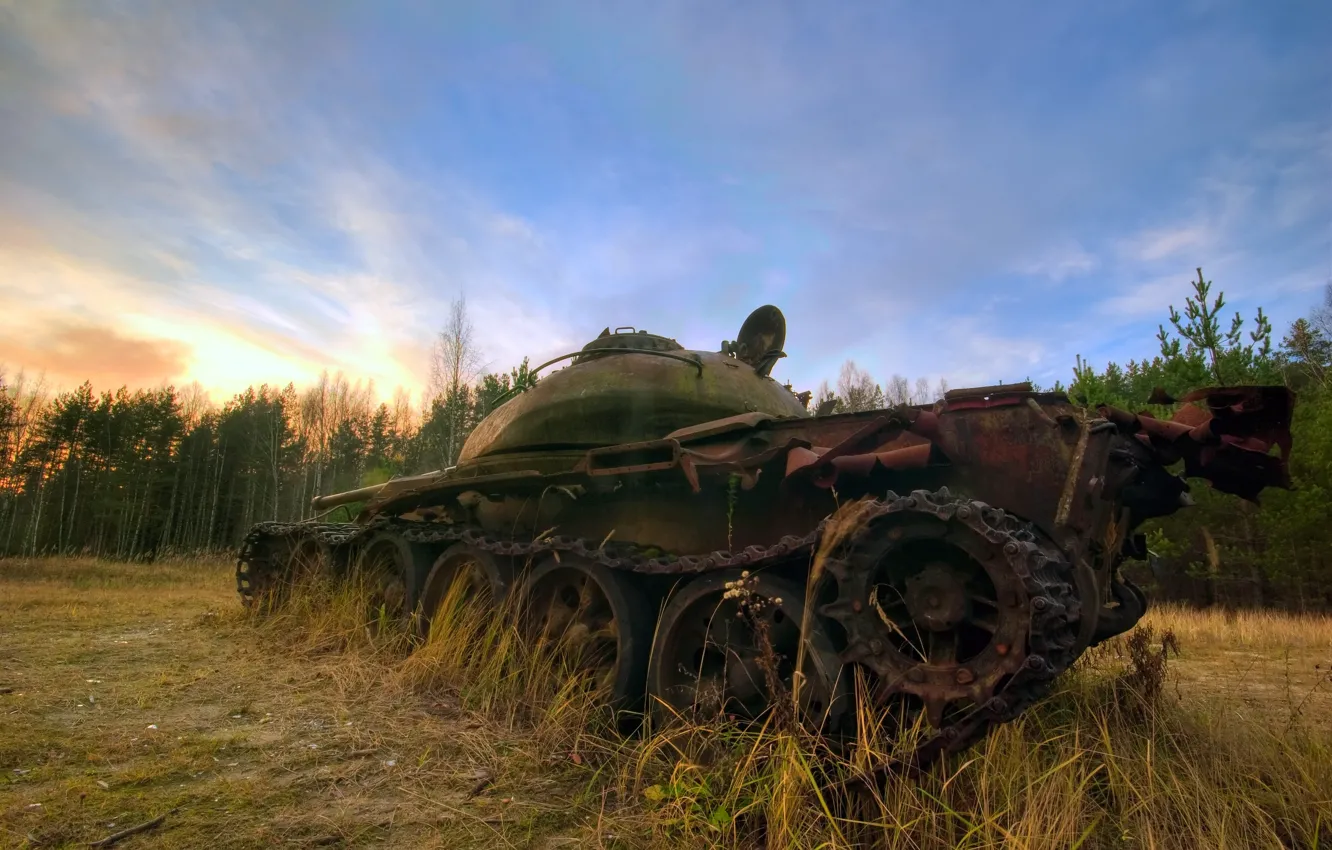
{"x": 626, "y": 339}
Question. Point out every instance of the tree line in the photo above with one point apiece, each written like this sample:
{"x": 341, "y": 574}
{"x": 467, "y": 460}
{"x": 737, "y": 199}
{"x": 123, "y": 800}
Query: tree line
{"x": 138, "y": 474}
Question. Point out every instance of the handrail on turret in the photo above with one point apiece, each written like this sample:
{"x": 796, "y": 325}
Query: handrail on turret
{"x": 692, "y": 361}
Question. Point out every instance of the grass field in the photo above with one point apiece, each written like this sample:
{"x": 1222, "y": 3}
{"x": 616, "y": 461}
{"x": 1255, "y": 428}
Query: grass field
{"x": 128, "y": 692}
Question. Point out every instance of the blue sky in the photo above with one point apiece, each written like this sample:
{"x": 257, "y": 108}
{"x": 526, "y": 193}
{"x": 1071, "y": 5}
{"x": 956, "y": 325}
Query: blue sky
{"x": 239, "y": 192}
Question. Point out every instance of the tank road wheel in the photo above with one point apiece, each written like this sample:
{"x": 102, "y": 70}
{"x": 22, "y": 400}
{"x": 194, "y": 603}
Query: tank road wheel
{"x": 598, "y": 619}
{"x": 388, "y": 567}
{"x": 311, "y": 560}
{"x": 729, "y": 642}
{"x": 481, "y": 575}
{"x": 958, "y": 610}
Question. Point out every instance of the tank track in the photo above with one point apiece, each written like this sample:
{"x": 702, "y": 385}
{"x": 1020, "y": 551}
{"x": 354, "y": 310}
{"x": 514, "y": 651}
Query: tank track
{"x": 253, "y": 564}
{"x": 1045, "y": 574}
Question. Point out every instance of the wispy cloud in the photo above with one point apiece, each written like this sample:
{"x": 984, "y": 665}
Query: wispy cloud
{"x": 260, "y": 192}
{"x": 1159, "y": 244}
{"x": 1059, "y": 264}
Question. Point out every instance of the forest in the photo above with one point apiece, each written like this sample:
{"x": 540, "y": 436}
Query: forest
{"x": 137, "y": 474}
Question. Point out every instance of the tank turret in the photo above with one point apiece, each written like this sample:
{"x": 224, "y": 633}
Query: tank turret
{"x": 630, "y": 386}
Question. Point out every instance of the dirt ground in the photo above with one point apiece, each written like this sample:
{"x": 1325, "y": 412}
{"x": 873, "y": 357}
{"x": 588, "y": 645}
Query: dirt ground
{"x": 127, "y": 693}
{"x": 133, "y": 692}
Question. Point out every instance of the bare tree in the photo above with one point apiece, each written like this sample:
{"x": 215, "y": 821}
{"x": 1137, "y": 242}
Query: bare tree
{"x": 1322, "y": 316}
{"x": 313, "y": 415}
{"x": 823, "y": 395}
{"x": 349, "y": 403}
{"x": 404, "y": 415}
{"x": 899, "y": 390}
{"x": 922, "y": 395}
{"x": 857, "y": 390}
{"x": 455, "y": 359}
{"x": 28, "y": 398}
{"x": 194, "y": 404}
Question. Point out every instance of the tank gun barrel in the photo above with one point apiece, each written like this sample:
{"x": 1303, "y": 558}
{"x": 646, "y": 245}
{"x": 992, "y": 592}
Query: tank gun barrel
{"x": 333, "y": 500}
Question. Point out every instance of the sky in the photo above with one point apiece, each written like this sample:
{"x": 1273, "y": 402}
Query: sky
{"x": 238, "y": 192}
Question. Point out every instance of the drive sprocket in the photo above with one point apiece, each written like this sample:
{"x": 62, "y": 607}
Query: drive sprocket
{"x": 956, "y": 608}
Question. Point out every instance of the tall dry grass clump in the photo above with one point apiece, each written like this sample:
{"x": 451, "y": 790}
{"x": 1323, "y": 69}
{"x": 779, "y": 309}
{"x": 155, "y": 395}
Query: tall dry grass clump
{"x": 483, "y": 656}
{"x": 473, "y": 656}
{"x": 320, "y": 614}
{"x": 1116, "y": 758}
{"x": 1112, "y": 760}
{"x": 1244, "y": 629}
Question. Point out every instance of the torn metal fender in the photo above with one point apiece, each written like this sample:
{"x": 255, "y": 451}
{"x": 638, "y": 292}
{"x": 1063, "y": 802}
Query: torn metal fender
{"x": 1224, "y": 435}
{"x": 854, "y": 456}
{"x": 859, "y": 466}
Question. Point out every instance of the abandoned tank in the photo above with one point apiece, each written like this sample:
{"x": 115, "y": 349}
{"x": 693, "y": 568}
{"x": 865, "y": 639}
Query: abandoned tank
{"x": 945, "y": 561}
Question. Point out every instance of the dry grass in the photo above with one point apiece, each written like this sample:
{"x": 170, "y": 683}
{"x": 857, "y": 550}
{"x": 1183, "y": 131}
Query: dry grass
{"x": 1246, "y": 630}
{"x": 1259, "y": 668}
{"x": 310, "y": 729}
{"x": 301, "y": 731}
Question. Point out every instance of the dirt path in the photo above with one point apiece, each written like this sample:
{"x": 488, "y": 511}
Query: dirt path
{"x": 131, "y": 692}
